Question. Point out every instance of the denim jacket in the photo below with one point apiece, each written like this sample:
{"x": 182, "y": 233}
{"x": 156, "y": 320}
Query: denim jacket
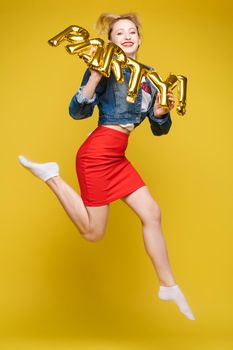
{"x": 110, "y": 97}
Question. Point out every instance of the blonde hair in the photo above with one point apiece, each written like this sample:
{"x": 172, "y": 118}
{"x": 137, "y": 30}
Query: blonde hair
{"x": 106, "y": 21}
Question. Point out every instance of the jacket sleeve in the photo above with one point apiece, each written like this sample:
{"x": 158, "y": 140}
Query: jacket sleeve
{"x": 159, "y": 126}
{"x": 81, "y": 107}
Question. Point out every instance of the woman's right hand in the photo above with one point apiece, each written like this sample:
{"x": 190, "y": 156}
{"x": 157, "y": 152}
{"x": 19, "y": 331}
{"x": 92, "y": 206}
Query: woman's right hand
{"x": 93, "y": 81}
{"x": 95, "y": 75}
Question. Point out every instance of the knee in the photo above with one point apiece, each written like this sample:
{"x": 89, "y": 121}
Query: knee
{"x": 156, "y": 213}
{"x": 95, "y": 237}
{"x": 92, "y": 234}
{"x": 153, "y": 215}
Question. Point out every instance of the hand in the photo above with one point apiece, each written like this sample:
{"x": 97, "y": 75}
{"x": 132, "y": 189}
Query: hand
{"x": 95, "y": 75}
{"x": 158, "y": 110}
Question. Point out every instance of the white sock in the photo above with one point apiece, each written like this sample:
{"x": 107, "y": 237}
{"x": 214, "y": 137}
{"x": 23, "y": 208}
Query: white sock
{"x": 174, "y": 293}
{"x": 42, "y": 170}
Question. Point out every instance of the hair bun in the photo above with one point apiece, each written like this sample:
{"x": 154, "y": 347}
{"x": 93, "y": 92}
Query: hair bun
{"x": 106, "y": 20}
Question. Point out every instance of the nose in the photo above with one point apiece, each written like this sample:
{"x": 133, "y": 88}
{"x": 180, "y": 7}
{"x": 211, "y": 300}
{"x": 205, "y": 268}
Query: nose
{"x": 127, "y": 36}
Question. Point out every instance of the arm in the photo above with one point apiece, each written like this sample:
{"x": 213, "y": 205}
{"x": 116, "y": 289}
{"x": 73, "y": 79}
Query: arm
{"x": 83, "y": 102}
{"x": 159, "y": 117}
{"x": 160, "y": 126}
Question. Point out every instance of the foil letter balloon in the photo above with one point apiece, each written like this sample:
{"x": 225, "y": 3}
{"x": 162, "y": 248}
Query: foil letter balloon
{"x": 138, "y": 70}
{"x": 162, "y": 86}
{"x": 114, "y": 59}
{"x": 106, "y": 58}
{"x": 109, "y": 58}
{"x": 82, "y": 49}
{"x": 72, "y": 34}
{"x": 182, "y": 93}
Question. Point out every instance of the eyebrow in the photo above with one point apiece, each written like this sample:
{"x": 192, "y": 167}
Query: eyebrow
{"x": 124, "y": 28}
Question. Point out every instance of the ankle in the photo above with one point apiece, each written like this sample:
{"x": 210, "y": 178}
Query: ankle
{"x": 168, "y": 283}
{"x": 53, "y": 181}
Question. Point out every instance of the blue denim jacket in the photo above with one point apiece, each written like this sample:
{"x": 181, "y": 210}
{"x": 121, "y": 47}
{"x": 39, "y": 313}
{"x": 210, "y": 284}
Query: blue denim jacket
{"x": 110, "y": 97}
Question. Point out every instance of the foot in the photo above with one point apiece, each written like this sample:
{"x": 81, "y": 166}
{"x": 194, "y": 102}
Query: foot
{"x": 42, "y": 170}
{"x": 174, "y": 293}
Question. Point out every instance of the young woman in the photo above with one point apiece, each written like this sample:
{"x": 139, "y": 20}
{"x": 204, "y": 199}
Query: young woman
{"x": 103, "y": 171}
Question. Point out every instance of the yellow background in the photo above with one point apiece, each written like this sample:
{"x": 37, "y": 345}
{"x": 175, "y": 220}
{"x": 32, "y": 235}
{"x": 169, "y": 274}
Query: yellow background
{"x": 59, "y": 291}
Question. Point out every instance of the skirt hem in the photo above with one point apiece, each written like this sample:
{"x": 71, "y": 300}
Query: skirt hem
{"x": 98, "y": 204}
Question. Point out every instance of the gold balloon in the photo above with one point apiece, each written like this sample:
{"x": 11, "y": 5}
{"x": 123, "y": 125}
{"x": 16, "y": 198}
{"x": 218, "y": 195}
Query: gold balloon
{"x": 72, "y": 34}
{"x": 162, "y": 86}
{"x": 117, "y": 70}
{"x": 82, "y": 49}
{"x": 181, "y": 82}
{"x": 182, "y": 93}
{"x": 104, "y": 59}
{"x": 110, "y": 57}
{"x": 114, "y": 59}
{"x": 138, "y": 70}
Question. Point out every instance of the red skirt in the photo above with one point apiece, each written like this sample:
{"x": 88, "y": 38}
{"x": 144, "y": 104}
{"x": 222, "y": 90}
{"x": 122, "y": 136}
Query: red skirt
{"x": 104, "y": 173}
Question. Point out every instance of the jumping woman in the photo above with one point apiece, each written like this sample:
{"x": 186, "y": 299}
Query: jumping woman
{"x": 103, "y": 171}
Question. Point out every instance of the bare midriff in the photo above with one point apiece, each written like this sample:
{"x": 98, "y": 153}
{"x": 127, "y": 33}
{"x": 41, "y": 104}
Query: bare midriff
{"x": 118, "y": 127}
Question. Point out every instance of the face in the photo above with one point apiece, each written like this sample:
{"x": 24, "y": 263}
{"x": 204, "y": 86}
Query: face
{"x": 125, "y": 35}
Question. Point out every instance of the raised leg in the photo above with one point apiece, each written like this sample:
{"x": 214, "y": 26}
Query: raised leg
{"x": 90, "y": 221}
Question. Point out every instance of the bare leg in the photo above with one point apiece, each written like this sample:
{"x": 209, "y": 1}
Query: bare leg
{"x": 148, "y": 211}
{"x": 90, "y": 221}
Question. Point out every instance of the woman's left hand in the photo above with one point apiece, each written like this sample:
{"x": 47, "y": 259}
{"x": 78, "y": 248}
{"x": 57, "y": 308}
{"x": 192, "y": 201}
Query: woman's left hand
{"x": 158, "y": 110}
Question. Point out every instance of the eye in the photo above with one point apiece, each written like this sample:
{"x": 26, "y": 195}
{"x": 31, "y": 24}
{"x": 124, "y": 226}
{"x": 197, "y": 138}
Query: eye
{"x": 119, "y": 33}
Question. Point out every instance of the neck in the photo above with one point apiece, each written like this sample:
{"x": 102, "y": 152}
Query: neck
{"x": 133, "y": 56}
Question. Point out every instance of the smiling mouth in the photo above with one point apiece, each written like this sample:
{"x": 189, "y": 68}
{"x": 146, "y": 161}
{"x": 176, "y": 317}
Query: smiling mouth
{"x": 128, "y": 44}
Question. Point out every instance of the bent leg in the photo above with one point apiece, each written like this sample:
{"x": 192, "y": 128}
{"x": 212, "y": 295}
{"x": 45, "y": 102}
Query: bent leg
{"x": 91, "y": 221}
{"x": 149, "y": 213}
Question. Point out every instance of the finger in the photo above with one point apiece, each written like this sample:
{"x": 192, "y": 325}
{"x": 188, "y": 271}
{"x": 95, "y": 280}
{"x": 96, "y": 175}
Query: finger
{"x": 171, "y": 105}
{"x": 93, "y": 50}
{"x": 171, "y": 99}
